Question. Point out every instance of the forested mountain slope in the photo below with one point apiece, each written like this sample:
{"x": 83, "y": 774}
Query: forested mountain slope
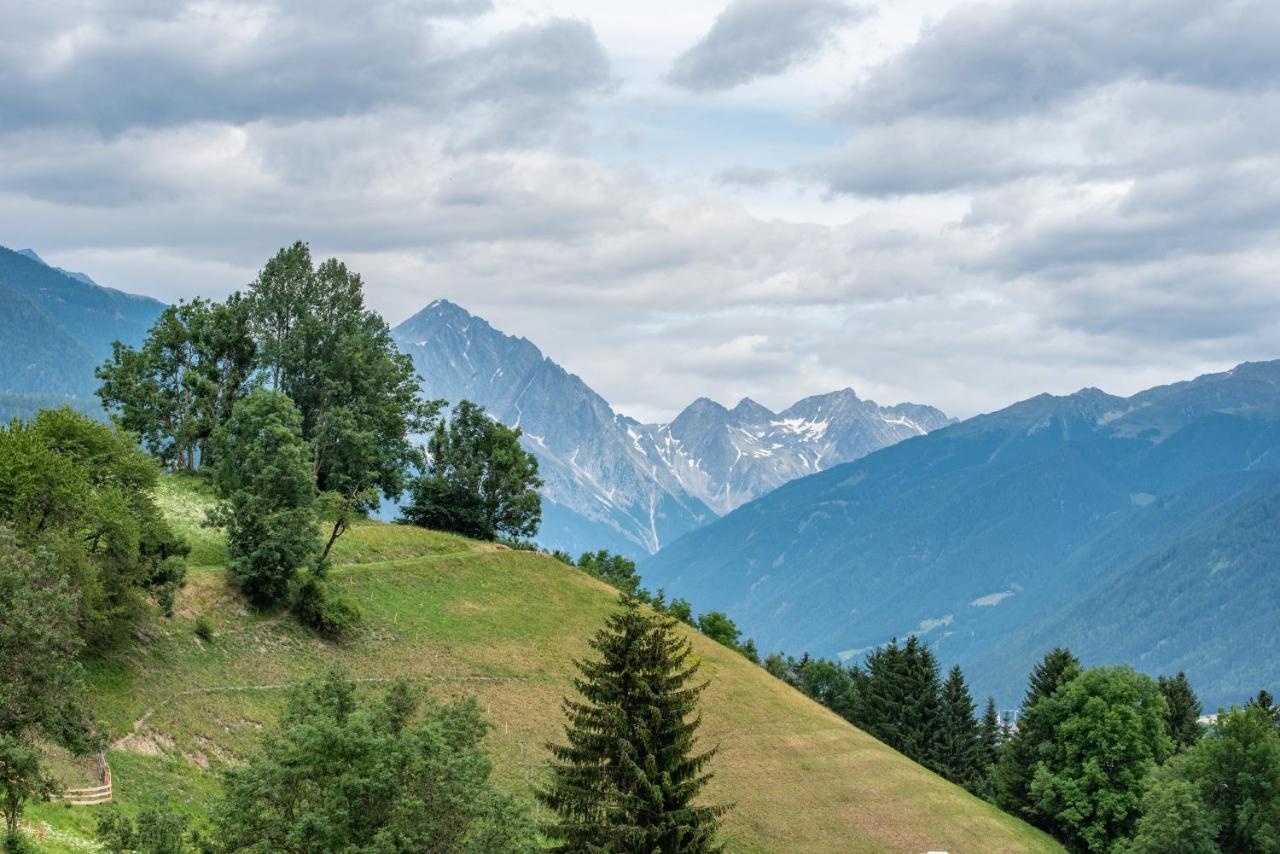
{"x": 56, "y": 326}
{"x": 1006, "y": 523}
{"x": 457, "y": 617}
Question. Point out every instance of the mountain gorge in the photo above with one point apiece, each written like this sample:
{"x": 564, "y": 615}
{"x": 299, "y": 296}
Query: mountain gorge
{"x": 613, "y": 482}
{"x": 1007, "y": 533}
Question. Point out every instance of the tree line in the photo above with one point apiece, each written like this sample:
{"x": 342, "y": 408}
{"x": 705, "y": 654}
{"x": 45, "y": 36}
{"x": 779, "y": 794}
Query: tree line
{"x": 619, "y": 572}
{"x": 1105, "y": 759}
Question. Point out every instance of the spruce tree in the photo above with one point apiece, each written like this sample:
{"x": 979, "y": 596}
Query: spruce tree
{"x": 879, "y": 705}
{"x": 957, "y": 749}
{"x": 1182, "y": 712}
{"x": 627, "y": 779}
{"x": 1011, "y": 777}
{"x": 989, "y": 738}
{"x": 922, "y": 702}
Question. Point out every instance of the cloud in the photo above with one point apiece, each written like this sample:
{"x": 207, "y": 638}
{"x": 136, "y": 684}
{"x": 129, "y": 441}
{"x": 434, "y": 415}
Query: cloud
{"x": 159, "y": 65}
{"x": 760, "y": 38}
{"x": 748, "y": 176}
{"x": 947, "y": 241}
{"x": 925, "y": 156}
{"x": 999, "y": 60}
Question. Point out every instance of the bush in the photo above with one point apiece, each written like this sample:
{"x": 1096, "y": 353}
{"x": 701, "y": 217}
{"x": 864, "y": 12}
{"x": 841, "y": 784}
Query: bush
{"x": 322, "y": 610}
{"x": 204, "y": 629}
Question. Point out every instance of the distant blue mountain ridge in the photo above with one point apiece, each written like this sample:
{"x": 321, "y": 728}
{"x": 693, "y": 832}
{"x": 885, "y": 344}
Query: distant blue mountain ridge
{"x": 1131, "y": 529}
{"x": 56, "y": 326}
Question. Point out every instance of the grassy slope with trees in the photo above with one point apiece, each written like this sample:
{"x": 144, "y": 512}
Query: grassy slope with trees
{"x": 461, "y": 618}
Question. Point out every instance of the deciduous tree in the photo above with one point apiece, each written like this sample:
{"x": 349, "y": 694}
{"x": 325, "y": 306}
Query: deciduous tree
{"x": 263, "y": 475}
{"x": 478, "y": 481}
{"x": 1107, "y": 734}
{"x": 385, "y": 775}
{"x": 41, "y": 681}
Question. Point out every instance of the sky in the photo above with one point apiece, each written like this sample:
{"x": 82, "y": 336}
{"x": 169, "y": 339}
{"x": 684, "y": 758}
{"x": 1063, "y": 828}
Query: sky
{"x": 955, "y": 203}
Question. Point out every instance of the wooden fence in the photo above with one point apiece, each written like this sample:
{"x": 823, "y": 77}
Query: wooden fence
{"x": 91, "y": 795}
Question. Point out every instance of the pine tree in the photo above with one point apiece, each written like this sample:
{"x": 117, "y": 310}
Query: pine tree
{"x": 627, "y": 778}
{"x": 957, "y": 749}
{"x": 1182, "y": 712}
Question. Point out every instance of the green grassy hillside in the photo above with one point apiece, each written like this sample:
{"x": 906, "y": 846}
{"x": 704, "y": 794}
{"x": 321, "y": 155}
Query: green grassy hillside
{"x": 459, "y": 617}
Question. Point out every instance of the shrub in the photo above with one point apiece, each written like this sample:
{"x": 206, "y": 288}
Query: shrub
{"x": 204, "y": 629}
{"x": 318, "y": 607}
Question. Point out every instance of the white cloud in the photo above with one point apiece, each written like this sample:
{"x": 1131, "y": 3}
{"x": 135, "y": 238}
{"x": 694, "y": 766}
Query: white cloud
{"x": 891, "y": 214}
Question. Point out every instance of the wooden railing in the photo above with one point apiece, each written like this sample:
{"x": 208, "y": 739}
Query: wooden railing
{"x": 91, "y": 795}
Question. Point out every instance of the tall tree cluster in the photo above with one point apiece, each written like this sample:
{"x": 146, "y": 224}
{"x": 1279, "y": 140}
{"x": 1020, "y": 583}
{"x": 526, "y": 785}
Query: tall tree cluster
{"x": 292, "y": 396}
{"x": 41, "y": 680}
{"x": 899, "y": 696}
{"x": 174, "y": 391}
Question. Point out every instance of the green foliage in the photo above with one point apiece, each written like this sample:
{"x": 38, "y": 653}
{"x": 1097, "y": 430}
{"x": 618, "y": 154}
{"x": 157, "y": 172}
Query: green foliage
{"x": 611, "y": 568}
{"x": 83, "y": 492}
{"x": 204, "y": 629}
{"x": 900, "y": 701}
{"x": 1012, "y": 774}
{"x": 478, "y": 481}
{"x": 989, "y": 744}
{"x": 681, "y": 610}
{"x": 957, "y": 751}
{"x": 41, "y": 681}
{"x": 717, "y": 626}
{"x": 627, "y": 779}
{"x": 1266, "y": 703}
{"x": 264, "y": 476}
{"x": 1108, "y": 733}
{"x": 356, "y": 393}
{"x": 1174, "y": 819}
{"x": 319, "y": 607}
{"x": 1182, "y": 711}
{"x": 1235, "y": 769}
{"x": 825, "y": 681}
{"x": 345, "y": 775}
{"x": 158, "y": 830}
{"x": 184, "y": 380}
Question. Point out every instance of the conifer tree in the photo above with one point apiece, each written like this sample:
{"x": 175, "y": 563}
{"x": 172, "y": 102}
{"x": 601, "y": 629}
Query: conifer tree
{"x": 627, "y": 779}
{"x": 922, "y": 702}
{"x": 989, "y": 737}
{"x": 1183, "y": 710}
{"x": 879, "y": 705}
{"x": 957, "y": 752}
{"x": 1011, "y": 778}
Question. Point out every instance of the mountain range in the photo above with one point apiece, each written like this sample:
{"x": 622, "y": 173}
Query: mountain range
{"x": 613, "y": 482}
{"x": 1136, "y": 529}
{"x": 57, "y": 326}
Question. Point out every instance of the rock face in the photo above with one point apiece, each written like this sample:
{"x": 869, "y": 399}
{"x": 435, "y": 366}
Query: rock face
{"x": 613, "y": 482}
{"x": 601, "y": 491}
{"x": 1139, "y": 530}
{"x": 727, "y": 457}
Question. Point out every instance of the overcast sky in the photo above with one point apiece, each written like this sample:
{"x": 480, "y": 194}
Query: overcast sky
{"x": 956, "y": 203}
